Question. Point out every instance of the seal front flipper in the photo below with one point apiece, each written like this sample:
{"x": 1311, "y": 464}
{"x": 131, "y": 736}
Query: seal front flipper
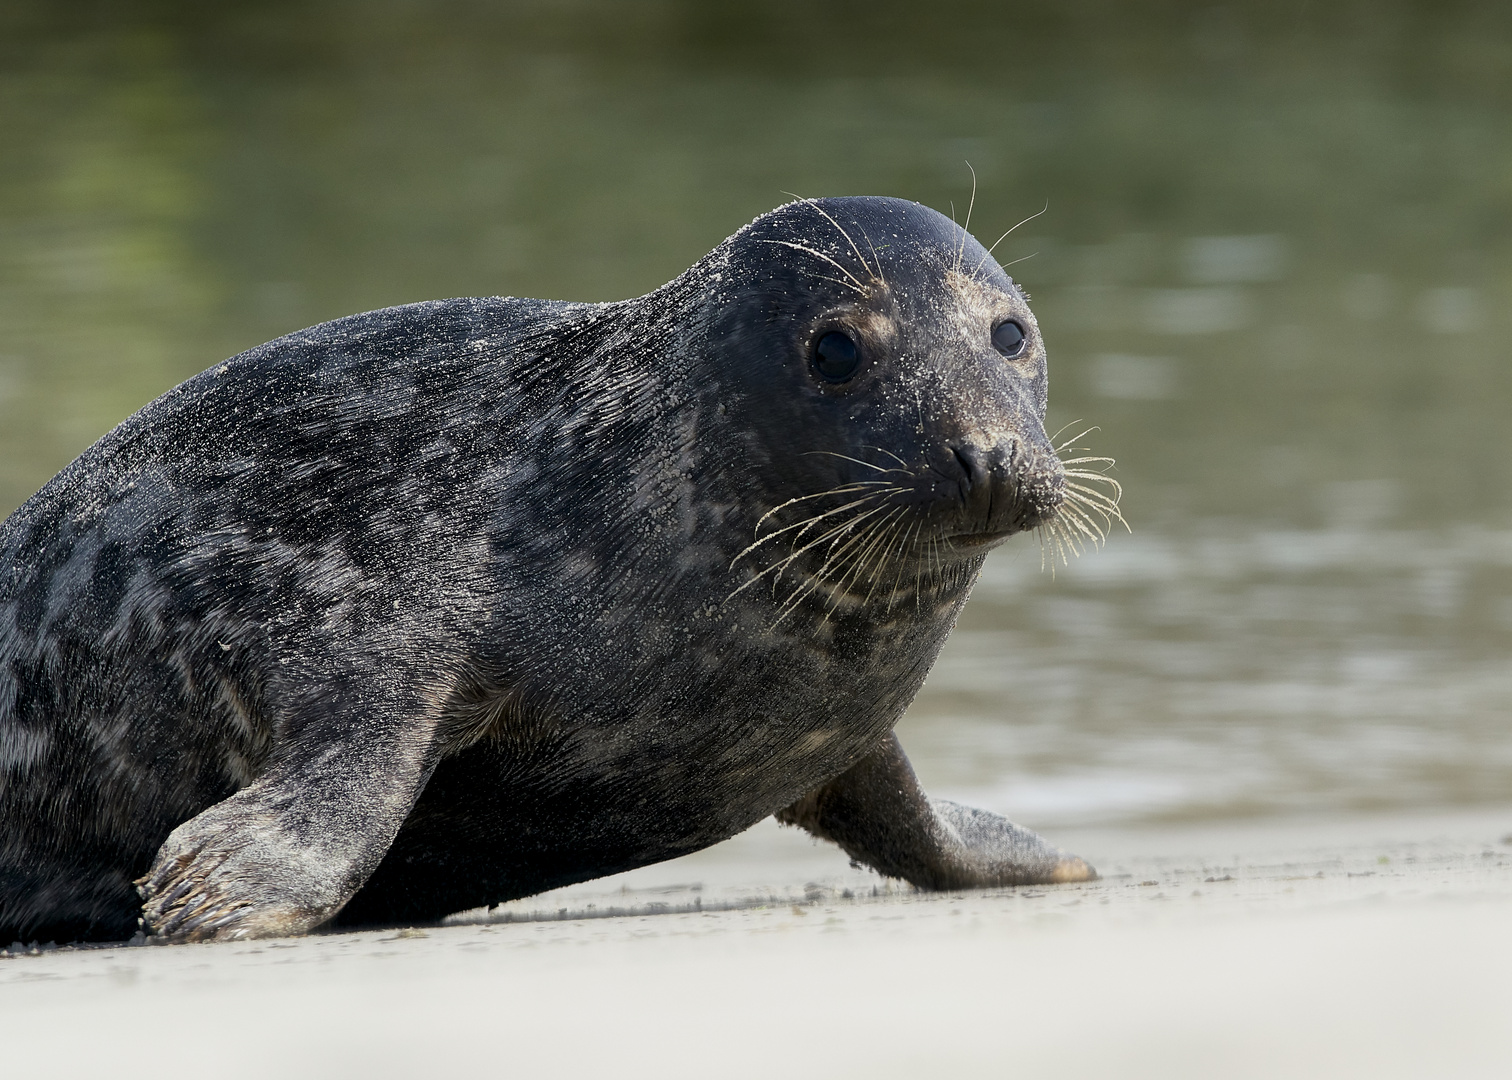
{"x": 878, "y": 815}
{"x": 283, "y": 855}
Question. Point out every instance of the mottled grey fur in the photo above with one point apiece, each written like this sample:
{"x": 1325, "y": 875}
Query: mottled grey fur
{"x": 450, "y": 603}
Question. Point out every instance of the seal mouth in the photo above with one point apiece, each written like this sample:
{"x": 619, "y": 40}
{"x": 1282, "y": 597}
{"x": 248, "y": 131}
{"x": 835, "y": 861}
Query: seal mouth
{"x": 981, "y": 539}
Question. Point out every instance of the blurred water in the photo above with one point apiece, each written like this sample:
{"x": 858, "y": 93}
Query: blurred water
{"x": 1231, "y": 670}
{"x": 1274, "y": 268}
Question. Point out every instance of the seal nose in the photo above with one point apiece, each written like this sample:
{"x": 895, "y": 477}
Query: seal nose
{"x": 1004, "y": 490}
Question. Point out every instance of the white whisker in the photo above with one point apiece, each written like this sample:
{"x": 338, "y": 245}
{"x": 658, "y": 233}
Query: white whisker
{"x": 843, "y": 457}
{"x": 821, "y": 255}
{"x": 892, "y": 455}
{"x": 875, "y": 258}
{"x": 966, "y": 228}
{"x": 1062, "y": 447}
{"x": 892, "y": 534}
{"x": 822, "y": 213}
{"x": 817, "y": 578}
{"x": 854, "y": 485}
{"x": 806, "y": 523}
{"x": 1000, "y": 239}
{"x": 776, "y": 569}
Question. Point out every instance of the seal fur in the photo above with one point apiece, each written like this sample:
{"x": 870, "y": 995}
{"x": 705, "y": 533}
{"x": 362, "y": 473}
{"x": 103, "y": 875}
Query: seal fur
{"x": 445, "y": 604}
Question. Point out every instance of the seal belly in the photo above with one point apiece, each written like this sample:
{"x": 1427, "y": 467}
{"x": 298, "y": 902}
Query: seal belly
{"x": 509, "y": 817}
{"x": 492, "y": 826}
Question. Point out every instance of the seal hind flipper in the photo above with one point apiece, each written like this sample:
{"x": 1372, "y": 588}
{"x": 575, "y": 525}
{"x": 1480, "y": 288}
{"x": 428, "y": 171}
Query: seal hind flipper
{"x": 879, "y": 815}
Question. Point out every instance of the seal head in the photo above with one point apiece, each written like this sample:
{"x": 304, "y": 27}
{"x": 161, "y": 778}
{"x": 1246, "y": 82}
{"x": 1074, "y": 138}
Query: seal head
{"x": 888, "y": 384}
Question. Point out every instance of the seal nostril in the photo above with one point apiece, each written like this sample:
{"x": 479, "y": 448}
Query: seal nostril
{"x": 964, "y": 460}
{"x": 971, "y": 470}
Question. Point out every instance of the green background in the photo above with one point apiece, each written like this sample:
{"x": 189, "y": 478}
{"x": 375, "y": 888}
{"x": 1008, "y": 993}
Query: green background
{"x": 1274, "y": 266}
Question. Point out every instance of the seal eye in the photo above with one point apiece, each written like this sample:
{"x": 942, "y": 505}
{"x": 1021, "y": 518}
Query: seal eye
{"x": 1009, "y": 339}
{"x": 836, "y": 357}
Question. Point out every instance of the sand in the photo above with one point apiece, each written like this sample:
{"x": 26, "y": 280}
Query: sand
{"x": 1377, "y": 947}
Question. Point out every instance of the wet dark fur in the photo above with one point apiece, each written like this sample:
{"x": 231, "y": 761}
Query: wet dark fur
{"x": 431, "y": 607}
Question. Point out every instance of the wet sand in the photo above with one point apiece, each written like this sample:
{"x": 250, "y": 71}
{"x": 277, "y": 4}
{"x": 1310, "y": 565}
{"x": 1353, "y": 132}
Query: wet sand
{"x": 1376, "y": 947}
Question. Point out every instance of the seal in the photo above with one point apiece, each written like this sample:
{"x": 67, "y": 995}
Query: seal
{"x": 436, "y": 606}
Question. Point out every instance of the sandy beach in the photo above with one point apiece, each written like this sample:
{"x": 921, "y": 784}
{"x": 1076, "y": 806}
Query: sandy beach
{"x": 1358, "y": 947}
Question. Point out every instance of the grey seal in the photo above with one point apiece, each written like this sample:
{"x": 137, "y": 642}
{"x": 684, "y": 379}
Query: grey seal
{"x": 436, "y": 606}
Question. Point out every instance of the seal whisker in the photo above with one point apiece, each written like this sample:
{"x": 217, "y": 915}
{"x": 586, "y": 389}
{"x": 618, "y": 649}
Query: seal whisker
{"x": 1063, "y": 545}
{"x": 857, "y": 286}
{"x": 1110, "y": 463}
{"x": 1047, "y": 548}
{"x": 1000, "y": 239}
{"x": 1110, "y": 497}
{"x": 1110, "y": 517}
{"x": 834, "y": 280}
{"x": 802, "y": 527}
{"x": 1090, "y": 497}
{"x": 1077, "y": 520}
{"x": 843, "y": 489}
{"x": 1061, "y": 448}
{"x": 848, "y": 239}
{"x": 1086, "y": 492}
{"x": 1074, "y": 517}
{"x": 834, "y": 535}
{"x": 883, "y": 552}
{"x": 1080, "y": 530}
{"x": 966, "y": 228}
{"x": 878, "y": 532}
{"x": 1096, "y": 495}
{"x": 877, "y": 559}
{"x": 907, "y": 534}
{"x": 895, "y": 457}
{"x": 1056, "y": 434}
{"x": 777, "y": 568}
{"x": 1052, "y": 531}
{"x": 849, "y": 563}
{"x": 808, "y": 520}
{"x": 815, "y": 519}
{"x": 857, "y": 461}
{"x": 804, "y": 523}
{"x": 1088, "y": 460}
{"x": 782, "y": 564}
{"x": 877, "y": 259}
{"x": 1086, "y": 513}
{"x": 1107, "y": 501}
{"x": 1066, "y": 541}
{"x": 846, "y": 561}
{"x": 836, "y": 551}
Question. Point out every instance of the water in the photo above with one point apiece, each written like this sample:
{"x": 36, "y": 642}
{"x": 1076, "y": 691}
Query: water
{"x": 1274, "y": 268}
